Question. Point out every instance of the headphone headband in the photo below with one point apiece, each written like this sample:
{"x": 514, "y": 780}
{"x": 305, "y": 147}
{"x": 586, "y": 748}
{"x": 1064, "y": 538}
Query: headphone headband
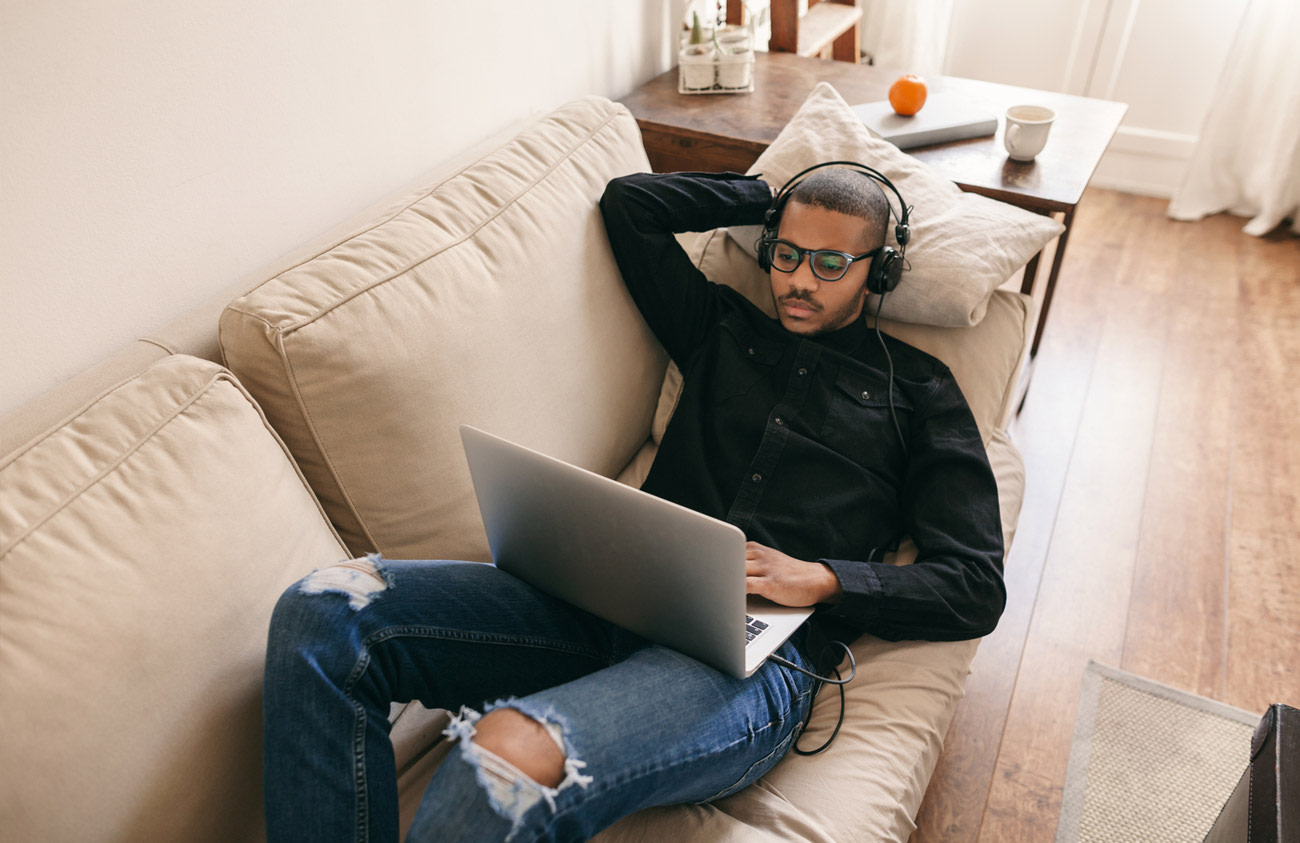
{"x": 887, "y": 267}
{"x": 902, "y": 232}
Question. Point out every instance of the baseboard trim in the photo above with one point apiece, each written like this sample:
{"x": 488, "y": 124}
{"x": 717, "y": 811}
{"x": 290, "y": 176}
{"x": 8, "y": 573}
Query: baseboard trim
{"x": 1147, "y": 162}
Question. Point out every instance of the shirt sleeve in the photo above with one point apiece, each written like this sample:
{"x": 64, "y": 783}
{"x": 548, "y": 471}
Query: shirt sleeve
{"x": 642, "y": 212}
{"x": 954, "y": 590}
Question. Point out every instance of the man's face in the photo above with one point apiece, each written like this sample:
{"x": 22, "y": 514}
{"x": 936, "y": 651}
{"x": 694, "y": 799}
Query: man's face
{"x": 805, "y": 304}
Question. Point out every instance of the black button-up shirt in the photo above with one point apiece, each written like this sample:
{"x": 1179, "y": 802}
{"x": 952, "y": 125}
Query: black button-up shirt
{"x": 790, "y": 438}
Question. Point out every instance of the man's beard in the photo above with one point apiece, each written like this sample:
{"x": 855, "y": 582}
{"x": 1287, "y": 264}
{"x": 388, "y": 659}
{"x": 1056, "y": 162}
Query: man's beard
{"x": 839, "y": 319}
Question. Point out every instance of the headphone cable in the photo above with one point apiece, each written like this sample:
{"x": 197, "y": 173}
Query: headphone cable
{"x": 822, "y": 680}
{"x": 893, "y": 413}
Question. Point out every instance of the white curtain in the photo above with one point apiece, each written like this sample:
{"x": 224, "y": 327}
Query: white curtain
{"x": 1247, "y": 160}
{"x": 907, "y": 35}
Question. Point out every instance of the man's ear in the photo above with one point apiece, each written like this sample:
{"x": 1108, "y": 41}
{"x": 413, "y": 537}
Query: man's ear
{"x": 863, "y": 294}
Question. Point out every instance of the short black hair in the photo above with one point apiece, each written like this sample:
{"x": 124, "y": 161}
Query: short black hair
{"x": 847, "y": 192}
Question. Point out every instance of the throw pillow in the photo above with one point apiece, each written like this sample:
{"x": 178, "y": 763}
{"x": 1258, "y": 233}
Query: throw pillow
{"x": 963, "y": 245}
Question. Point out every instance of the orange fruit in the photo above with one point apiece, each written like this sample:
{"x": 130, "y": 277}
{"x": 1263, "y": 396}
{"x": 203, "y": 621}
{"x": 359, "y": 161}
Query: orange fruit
{"x": 907, "y": 94}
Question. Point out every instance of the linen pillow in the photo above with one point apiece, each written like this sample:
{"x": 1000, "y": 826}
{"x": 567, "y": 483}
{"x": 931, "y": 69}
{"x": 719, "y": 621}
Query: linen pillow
{"x": 963, "y": 245}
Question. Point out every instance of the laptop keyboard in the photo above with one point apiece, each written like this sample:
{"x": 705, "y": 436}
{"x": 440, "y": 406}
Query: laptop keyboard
{"x": 753, "y": 628}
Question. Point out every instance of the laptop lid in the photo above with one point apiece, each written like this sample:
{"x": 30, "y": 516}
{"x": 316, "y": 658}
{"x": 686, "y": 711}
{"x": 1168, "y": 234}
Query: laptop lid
{"x": 649, "y": 565}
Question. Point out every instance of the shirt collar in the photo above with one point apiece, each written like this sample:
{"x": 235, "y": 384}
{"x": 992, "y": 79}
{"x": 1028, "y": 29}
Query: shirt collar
{"x": 847, "y": 339}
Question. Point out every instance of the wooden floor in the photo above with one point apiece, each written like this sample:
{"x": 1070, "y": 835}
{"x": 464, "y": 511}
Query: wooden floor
{"x": 1160, "y": 532}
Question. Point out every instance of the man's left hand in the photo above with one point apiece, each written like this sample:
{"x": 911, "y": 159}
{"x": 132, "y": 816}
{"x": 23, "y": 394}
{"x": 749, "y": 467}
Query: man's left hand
{"x": 783, "y": 579}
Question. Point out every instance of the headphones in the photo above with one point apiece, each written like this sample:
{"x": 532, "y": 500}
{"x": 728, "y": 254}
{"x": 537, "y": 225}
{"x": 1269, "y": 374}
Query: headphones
{"x": 886, "y": 265}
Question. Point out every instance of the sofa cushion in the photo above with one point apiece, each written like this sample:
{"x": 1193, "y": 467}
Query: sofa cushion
{"x": 963, "y": 246}
{"x": 143, "y": 543}
{"x": 491, "y": 298}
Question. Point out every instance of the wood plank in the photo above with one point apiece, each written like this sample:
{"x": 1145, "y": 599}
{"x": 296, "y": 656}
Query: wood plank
{"x": 1045, "y": 433}
{"x": 1175, "y": 630}
{"x": 848, "y": 47}
{"x": 671, "y": 150}
{"x": 784, "y": 20}
{"x": 823, "y": 24}
{"x": 1223, "y": 466}
{"x": 1083, "y": 602}
{"x": 1264, "y": 543}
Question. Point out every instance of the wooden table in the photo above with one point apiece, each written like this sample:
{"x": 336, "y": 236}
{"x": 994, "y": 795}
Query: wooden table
{"x": 717, "y": 133}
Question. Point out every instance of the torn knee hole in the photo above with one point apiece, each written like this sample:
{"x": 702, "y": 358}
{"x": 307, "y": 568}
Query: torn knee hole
{"x": 360, "y": 580}
{"x": 499, "y": 761}
{"x": 535, "y": 747}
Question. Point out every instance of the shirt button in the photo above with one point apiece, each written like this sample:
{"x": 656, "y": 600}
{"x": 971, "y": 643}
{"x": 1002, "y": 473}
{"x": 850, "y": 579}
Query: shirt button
{"x": 866, "y": 396}
{"x": 779, "y": 421}
{"x": 803, "y": 372}
{"x": 757, "y": 478}
{"x": 751, "y": 352}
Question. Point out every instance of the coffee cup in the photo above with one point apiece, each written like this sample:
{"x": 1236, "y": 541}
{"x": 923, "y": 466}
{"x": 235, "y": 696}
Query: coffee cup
{"x": 1027, "y": 128}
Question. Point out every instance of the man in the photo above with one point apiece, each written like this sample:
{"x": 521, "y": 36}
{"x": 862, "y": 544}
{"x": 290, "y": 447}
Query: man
{"x": 821, "y": 439}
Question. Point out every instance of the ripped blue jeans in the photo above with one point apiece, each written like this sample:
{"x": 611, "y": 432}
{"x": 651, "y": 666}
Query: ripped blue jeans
{"x": 639, "y": 725}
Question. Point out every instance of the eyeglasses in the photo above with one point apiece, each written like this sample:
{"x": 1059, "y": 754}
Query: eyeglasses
{"x": 827, "y": 264}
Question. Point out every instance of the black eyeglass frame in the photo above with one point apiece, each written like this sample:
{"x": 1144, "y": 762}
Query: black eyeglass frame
{"x": 812, "y": 260}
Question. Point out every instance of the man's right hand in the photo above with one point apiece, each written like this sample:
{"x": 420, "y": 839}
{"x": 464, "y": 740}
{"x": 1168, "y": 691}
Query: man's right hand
{"x": 783, "y": 579}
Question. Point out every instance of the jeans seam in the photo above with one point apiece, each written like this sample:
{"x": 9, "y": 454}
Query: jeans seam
{"x": 607, "y": 783}
{"x": 363, "y": 664}
{"x": 732, "y": 788}
{"x": 784, "y": 744}
{"x": 359, "y": 768}
{"x": 419, "y": 631}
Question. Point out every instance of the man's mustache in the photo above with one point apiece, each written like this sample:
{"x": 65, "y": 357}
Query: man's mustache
{"x": 801, "y": 297}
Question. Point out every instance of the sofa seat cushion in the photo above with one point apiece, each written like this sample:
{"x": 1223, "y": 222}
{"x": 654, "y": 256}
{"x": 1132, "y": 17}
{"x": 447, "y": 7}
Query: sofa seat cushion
{"x": 491, "y": 298}
{"x": 143, "y": 543}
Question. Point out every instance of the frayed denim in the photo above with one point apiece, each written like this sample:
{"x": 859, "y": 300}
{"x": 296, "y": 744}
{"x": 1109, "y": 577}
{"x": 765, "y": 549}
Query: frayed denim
{"x": 639, "y": 725}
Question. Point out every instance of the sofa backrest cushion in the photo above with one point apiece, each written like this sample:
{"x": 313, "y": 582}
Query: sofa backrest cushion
{"x": 143, "y": 543}
{"x": 490, "y": 298}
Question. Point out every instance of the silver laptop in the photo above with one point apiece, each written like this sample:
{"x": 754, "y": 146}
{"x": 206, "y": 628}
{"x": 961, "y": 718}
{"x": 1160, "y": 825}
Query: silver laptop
{"x": 661, "y": 570}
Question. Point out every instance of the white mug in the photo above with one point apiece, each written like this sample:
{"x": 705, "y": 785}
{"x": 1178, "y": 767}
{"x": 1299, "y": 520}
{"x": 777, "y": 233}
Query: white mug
{"x": 1027, "y": 128}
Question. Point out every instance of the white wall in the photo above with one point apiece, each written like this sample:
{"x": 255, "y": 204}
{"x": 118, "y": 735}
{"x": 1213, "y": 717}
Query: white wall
{"x": 153, "y": 152}
{"x": 1162, "y": 57}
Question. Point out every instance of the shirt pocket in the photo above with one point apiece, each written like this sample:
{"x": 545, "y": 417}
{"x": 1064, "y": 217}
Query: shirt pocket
{"x": 744, "y": 359}
{"x": 859, "y": 425}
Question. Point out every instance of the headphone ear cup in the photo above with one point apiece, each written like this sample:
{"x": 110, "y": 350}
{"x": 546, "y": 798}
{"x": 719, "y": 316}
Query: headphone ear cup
{"x": 885, "y": 272}
{"x": 764, "y": 249}
{"x": 771, "y": 225}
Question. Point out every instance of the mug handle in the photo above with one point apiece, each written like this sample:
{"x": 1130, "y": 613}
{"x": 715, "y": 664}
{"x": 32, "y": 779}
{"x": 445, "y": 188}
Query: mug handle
{"x": 1013, "y": 132}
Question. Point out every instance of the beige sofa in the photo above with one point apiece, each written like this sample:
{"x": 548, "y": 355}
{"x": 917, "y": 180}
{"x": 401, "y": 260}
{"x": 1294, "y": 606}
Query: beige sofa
{"x": 153, "y": 509}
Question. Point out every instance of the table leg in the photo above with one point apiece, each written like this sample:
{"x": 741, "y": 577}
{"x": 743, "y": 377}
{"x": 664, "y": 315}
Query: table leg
{"x": 1031, "y": 272}
{"x": 1051, "y": 281}
{"x": 1027, "y": 288}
